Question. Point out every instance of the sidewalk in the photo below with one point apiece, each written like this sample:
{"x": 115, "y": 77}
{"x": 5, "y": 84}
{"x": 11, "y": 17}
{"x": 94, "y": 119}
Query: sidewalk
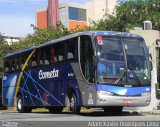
{"x": 154, "y": 112}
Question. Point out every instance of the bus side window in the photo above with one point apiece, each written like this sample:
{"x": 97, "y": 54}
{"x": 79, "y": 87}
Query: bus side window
{"x": 72, "y": 49}
{"x": 46, "y": 55}
{"x": 34, "y": 60}
{"x": 40, "y": 57}
{"x": 59, "y": 52}
{"x": 6, "y": 66}
{"x": 53, "y": 57}
{"x": 14, "y": 64}
{"x": 22, "y": 62}
{"x": 86, "y": 56}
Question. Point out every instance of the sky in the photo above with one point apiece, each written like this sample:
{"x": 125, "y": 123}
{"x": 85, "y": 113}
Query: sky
{"x": 16, "y": 16}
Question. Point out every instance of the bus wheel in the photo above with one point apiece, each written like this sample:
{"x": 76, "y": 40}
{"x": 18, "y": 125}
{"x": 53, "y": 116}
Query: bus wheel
{"x": 20, "y": 107}
{"x": 56, "y": 109}
{"x": 113, "y": 109}
{"x": 74, "y": 108}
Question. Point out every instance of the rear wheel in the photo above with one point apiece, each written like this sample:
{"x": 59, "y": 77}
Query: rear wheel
{"x": 20, "y": 107}
{"x": 113, "y": 109}
{"x": 56, "y": 109}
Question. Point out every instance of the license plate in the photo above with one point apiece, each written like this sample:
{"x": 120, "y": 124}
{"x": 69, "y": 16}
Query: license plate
{"x": 127, "y": 101}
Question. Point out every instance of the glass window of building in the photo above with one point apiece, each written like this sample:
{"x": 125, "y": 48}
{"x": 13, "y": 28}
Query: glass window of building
{"x": 77, "y": 14}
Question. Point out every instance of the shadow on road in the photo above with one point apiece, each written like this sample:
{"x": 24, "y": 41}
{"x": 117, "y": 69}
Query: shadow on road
{"x": 98, "y": 113}
{"x": 95, "y": 113}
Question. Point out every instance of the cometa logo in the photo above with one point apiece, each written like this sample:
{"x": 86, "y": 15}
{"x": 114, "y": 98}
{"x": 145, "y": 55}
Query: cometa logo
{"x": 48, "y": 75}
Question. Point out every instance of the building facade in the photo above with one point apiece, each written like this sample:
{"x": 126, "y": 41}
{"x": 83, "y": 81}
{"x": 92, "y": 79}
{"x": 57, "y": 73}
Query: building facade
{"x": 11, "y": 39}
{"x": 53, "y": 12}
{"x": 77, "y": 14}
{"x": 41, "y": 18}
{"x": 98, "y": 9}
{"x": 73, "y": 15}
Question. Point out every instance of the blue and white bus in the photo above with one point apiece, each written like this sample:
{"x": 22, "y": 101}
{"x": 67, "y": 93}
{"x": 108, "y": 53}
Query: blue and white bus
{"x": 100, "y": 69}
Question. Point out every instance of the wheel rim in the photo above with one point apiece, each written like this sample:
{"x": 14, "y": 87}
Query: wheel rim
{"x": 19, "y": 104}
{"x": 72, "y": 104}
{"x": 67, "y": 102}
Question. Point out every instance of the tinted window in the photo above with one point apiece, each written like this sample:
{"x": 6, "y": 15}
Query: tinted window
{"x": 45, "y": 56}
{"x": 77, "y": 14}
{"x": 6, "y": 66}
{"x": 59, "y": 52}
{"x": 72, "y": 49}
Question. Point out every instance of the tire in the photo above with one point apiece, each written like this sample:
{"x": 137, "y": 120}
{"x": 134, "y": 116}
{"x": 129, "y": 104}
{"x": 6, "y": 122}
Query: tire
{"x": 117, "y": 110}
{"x": 20, "y": 107}
{"x": 55, "y": 109}
{"x": 74, "y": 108}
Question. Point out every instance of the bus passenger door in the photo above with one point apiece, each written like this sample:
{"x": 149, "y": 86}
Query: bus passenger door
{"x": 158, "y": 72}
{"x": 88, "y": 70}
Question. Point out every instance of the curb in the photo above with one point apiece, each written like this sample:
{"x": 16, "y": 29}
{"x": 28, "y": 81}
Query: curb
{"x": 154, "y": 112}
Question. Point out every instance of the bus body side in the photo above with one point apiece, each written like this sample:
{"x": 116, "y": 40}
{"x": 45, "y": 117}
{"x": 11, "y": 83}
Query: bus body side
{"x": 48, "y": 84}
{"x": 68, "y": 77}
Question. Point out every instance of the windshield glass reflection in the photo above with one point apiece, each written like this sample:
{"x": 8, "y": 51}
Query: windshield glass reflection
{"x": 112, "y": 65}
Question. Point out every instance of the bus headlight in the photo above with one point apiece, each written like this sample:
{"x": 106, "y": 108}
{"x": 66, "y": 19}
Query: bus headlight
{"x": 145, "y": 94}
{"x": 104, "y": 93}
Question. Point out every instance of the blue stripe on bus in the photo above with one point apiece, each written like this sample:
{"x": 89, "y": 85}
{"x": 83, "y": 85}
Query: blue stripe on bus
{"x": 125, "y": 91}
{"x": 34, "y": 96}
{"x": 36, "y": 87}
{"x": 44, "y": 89}
{"x": 25, "y": 85}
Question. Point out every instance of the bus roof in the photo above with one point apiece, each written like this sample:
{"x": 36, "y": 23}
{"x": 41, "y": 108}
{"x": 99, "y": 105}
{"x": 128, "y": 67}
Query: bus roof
{"x": 89, "y": 33}
{"x": 21, "y": 51}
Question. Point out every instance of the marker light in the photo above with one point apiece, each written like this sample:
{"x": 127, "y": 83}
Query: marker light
{"x": 99, "y": 38}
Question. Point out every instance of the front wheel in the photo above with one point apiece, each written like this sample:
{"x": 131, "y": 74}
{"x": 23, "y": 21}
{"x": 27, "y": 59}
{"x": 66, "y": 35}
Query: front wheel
{"x": 20, "y": 107}
{"x": 73, "y": 107}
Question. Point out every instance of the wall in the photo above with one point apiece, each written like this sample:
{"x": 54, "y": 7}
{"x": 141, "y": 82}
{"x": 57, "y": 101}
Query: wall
{"x": 96, "y": 9}
{"x": 64, "y": 15}
{"x": 150, "y": 37}
{"x": 41, "y": 17}
{"x": 74, "y": 24}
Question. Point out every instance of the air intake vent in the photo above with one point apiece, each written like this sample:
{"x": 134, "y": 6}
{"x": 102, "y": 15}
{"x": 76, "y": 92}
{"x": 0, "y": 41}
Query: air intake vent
{"x": 147, "y": 25}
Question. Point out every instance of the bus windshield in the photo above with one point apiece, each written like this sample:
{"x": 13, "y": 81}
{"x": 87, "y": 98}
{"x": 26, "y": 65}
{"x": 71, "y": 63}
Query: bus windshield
{"x": 122, "y": 61}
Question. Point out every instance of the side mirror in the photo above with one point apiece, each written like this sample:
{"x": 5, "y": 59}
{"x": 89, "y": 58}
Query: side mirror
{"x": 150, "y": 61}
{"x": 150, "y": 56}
{"x": 150, "y": 64}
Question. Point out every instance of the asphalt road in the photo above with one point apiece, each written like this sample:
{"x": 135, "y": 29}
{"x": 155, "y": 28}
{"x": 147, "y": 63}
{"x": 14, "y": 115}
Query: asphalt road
{"x": 45, "y": 119}
{"x": 98, "y": 116}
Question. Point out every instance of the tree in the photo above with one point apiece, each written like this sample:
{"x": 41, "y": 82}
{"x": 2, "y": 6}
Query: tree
{"x": 41, "y": 36}
{"x": 129, "y": 14}
{"x": 1, "y": 38}
{"x": 4, "y": 50}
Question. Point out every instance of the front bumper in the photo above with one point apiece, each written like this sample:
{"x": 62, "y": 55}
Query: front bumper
{"x": 104, "y": 100}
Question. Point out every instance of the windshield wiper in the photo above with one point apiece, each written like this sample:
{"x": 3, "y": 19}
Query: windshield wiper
{"x": 120, "y": 77}
{"x": 126, "y": 71}
{"x": 136, "y": 77}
